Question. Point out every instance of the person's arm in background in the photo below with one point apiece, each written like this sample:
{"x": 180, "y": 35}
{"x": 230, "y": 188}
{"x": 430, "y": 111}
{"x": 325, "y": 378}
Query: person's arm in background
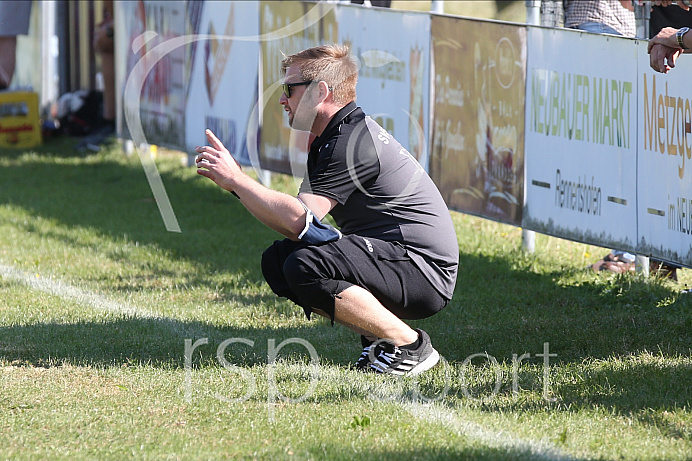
{"x": 665, "y": 48}
{"x": 665, "y": 3}
{"x": 627, "y": 4}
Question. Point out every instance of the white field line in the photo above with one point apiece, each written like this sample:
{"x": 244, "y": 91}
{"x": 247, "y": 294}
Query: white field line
{"x": 94, "y": 300}
{"x": 495, "y": 439}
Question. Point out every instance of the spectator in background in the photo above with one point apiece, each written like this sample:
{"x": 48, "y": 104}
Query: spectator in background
{"x": 14, "y": 20}
{"x": 105, "y": 48}
{"x": 665, "y": 26}
{"x": 666, "y": 46}
{"x": 661, "y": 16}
{"x": 614, "y": 17}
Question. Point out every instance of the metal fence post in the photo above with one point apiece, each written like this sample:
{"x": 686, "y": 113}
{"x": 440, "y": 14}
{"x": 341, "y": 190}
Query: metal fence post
{"x": 437, "y": 6}
{"x": 533, "y": 17}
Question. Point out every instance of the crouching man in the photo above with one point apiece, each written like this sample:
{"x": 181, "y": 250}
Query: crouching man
{"x": 395, "y": 254}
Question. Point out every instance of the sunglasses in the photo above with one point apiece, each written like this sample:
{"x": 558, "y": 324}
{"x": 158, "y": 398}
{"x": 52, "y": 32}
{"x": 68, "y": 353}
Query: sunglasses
{"x": 287, "y": 87}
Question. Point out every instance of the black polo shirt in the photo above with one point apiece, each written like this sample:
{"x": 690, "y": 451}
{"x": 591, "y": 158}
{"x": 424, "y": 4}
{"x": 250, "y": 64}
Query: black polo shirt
{"x": 383, "y": 192}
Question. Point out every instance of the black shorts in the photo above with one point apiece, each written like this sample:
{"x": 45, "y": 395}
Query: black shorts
{"x": 313, "y": 276}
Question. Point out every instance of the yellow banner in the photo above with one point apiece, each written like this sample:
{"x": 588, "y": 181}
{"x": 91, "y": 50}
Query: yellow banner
{"x": 477, "y": 155}
{"x": 288, "y": 27}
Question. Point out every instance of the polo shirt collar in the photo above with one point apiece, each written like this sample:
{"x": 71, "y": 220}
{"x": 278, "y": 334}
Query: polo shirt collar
{"x": 337, "y": 120}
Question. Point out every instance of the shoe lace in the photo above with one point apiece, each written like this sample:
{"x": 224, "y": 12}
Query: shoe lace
{"x": 389, "y": 357}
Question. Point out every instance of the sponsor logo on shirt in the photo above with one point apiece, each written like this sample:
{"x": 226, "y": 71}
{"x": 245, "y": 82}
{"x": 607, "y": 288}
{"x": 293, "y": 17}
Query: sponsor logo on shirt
{"x": 369, "y": 245}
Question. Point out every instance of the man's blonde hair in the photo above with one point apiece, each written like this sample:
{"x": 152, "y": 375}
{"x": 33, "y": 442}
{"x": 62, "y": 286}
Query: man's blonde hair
{"x": 332, "y": 64}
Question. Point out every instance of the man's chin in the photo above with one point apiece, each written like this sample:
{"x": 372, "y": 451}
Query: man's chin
{"x": 298, "y": 125}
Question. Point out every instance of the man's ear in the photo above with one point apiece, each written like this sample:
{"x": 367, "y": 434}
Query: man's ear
{"x": 323, "y": 90}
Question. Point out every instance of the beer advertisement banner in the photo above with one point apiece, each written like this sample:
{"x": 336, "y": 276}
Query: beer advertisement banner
{"x": 287, "y": 27}
{"x": 393, "y": 49}
{"x": 581, "y": 137}
{"x": 477, "y": 154}
{"x": 223, "y": 60}
{"x": 665, "y": 161}
{"x": 150, "y": 76}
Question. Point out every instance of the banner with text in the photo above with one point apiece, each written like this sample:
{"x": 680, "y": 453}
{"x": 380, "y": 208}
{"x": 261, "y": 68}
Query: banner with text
{"x": 581, "y": 137}
{"x": 393, "y": 48}
{"x": 223, "y": 63}
{"x": 288, "y": 27}
{"x": 150, "y": 77}
{"x": 665, "y": 153}
{"x": 477, "y": 155}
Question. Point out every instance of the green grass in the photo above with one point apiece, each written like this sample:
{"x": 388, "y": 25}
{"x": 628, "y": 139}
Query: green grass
{"x": 97, "y": 301}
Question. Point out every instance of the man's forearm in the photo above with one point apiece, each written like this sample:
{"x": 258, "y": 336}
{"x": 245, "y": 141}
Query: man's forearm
{"x": 278, "y": 211}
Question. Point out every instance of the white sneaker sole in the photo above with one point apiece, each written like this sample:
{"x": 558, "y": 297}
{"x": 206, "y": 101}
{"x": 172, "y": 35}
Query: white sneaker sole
{"x": 426, "y": 364}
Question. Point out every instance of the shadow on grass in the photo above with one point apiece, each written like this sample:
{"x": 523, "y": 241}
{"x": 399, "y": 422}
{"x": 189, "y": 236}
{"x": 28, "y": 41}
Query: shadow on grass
{"x": 150, "y": 341}
{"x": 503, "y": 308}
{"x": 114, "y": 199}
{"x": 500, "y": 306}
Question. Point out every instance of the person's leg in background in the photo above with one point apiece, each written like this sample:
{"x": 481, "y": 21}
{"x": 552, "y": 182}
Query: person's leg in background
{"x": 104, "y": 47}
{"x": 8, "y": 51}
{"x": 14, "y": 20}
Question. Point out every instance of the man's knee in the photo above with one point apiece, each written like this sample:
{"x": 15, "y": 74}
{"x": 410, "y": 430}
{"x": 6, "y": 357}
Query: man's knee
{"x": 272, "y": 264}
{"x": 309, "y": 275}
{"x": 269, "y": 264}
{"x": 298, "y": 269}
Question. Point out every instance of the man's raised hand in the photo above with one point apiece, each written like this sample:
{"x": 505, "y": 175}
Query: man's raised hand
{"x": 216, "y": 163}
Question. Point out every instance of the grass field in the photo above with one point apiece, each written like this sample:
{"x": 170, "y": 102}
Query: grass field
{"x": 121, "y": 340}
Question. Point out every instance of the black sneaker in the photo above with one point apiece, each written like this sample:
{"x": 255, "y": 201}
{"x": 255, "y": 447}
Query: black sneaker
{"x": 93, "y": 142}
{"x": 363, "y": 362}
{"x": 395, "y": 360}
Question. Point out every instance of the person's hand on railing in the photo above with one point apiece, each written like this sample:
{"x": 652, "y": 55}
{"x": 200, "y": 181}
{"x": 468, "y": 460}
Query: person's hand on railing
{"x": 666, "y": 46}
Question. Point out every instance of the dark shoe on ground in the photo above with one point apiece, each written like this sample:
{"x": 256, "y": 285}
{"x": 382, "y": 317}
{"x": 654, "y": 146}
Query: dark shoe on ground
{"x": 363, "y": 362}
{"x": 95, "y": 140}
{"x": 390, "y": 359}
{"x": 664, "y": 270}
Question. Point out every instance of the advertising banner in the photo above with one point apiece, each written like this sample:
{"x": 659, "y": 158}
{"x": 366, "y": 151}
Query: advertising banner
{"x": 150, "y": 57}
{"x": 477, "y": 156}
{"x": 581, "y": 139}
{"x": 287, "y": 27}
{"x": 665, "y": 161}
{"x": 393, "y": 48}
{"x": 223, "y": 63}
